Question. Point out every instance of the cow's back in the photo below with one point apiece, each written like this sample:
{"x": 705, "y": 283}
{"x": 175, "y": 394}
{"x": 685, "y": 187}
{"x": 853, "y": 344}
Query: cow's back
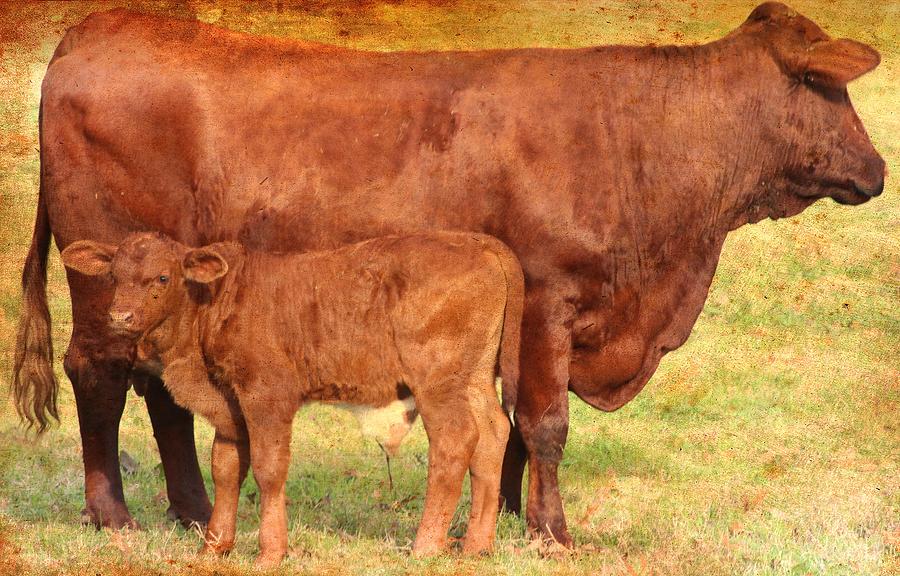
{"x": 196, "y": 131}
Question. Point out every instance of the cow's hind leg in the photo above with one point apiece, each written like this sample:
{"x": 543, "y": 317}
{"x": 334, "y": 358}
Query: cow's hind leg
{"x": 486, "y": 464}
{"x": 452, "y": 437}
{"x": 514, "y": 461}
{"x": 173, "y": 427}
{"x": 100, "y": 389}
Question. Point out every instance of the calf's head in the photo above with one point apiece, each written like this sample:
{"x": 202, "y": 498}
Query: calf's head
{"x": 155, "y": 278}
{"x": 821, "y": 145}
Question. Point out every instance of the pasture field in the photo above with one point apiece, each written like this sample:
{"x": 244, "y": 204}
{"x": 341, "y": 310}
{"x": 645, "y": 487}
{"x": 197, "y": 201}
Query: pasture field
{"x": 768, "y": 444}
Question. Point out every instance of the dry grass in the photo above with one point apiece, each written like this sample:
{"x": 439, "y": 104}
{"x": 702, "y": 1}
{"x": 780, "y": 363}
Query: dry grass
{"x": 768, "y": 444}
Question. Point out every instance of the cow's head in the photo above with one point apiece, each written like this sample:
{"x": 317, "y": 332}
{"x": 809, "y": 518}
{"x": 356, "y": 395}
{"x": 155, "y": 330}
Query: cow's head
{"x": 824, "y": 150}
{"x": 153, "y": 277}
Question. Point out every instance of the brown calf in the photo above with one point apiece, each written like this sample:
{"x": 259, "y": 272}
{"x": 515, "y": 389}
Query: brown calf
{"x": 245, "y": 338}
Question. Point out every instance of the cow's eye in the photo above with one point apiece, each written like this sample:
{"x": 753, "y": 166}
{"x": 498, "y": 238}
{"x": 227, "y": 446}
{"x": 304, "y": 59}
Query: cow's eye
{"x": 163, "y": 279}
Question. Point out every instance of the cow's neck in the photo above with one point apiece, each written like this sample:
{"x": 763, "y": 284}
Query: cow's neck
{"x": 689, "y": 180}
{"x": 697, "y": 153}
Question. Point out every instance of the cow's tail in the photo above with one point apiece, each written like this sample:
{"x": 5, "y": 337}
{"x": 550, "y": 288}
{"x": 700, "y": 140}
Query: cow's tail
{"x": 34, "y": 383}
{"x": 508, "y": 359}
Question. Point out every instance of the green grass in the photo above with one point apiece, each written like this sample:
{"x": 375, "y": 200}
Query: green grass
{"x": 768, "y": 444}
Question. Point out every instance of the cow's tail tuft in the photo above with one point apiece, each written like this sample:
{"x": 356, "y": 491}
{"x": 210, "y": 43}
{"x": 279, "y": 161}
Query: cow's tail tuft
{"x": 508, "y": 359}
{"x": 34, "y": 383}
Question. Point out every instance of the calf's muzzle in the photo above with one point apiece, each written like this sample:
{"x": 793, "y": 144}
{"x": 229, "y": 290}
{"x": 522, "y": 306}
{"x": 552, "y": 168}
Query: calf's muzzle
{"x": 121, "y": 321}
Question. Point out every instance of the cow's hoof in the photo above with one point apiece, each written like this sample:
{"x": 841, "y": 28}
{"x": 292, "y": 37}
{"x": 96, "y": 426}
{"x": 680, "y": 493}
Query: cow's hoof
{"x": 549, "y": 527}
{"x": 189, "y": 517}
{"x": 114, "y": 520}
{"x": 553, "y": 536}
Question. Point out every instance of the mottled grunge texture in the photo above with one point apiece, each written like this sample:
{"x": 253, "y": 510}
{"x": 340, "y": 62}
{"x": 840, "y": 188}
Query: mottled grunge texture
{"x": 768, "y": 444}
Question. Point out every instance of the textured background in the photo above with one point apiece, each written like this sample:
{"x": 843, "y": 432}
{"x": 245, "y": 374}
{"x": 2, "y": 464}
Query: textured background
{"x": 768, "y": 444}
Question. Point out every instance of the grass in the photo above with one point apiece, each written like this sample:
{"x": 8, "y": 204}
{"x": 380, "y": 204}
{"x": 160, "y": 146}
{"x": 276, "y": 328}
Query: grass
{"x": 768, "y": 444}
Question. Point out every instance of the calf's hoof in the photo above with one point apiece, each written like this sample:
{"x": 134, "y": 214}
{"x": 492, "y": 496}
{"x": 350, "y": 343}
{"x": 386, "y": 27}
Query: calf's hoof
{"x": 477, "y": 548}
{"x": 212, "y": 546}
{"x": 268, "y": 560}
{"x": 426, "y": 549}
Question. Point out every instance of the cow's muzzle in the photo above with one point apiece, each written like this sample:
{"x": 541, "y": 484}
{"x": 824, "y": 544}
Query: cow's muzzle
{"x": 869, "y": 192}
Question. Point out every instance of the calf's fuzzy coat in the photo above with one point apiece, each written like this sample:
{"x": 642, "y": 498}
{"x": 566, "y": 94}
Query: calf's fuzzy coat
{"x": 245, "y": 338}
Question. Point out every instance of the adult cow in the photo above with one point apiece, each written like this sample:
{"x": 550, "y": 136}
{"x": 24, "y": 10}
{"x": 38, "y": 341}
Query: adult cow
{"x": 613, "y": 172}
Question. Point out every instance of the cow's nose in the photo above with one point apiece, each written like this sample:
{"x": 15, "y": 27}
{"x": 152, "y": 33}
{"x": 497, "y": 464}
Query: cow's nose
{"x": 871, "y": 192}
{"x": 120, "y": 318}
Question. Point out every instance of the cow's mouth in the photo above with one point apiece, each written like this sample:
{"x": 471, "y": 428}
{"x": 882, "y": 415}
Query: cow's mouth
{"x": 847, "y": 191}
{"x": 853, "y": 193}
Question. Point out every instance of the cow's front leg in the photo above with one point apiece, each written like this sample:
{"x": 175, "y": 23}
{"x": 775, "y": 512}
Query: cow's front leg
{"x": 542, "y": 411}
{"x": 173, "y": 428}
{"x": 100, "y": 391}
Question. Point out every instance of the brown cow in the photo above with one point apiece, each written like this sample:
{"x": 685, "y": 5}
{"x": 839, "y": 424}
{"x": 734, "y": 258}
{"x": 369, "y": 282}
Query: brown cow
{"x": 614, "y": 173}
{"x": 368, "y": 324}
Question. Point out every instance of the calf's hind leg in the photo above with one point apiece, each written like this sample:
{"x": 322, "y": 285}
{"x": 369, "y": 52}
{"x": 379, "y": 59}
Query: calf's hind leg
{"x": 486, "y": 463}
{"x": 270, "y": 453}
{"x": 452, "y": 436}
{"x": 268, "y": 413}
{"x": 230, "y": 461}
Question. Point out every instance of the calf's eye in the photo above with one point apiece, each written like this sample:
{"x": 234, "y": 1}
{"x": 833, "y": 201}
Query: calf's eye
{"x": 163, "y": 279}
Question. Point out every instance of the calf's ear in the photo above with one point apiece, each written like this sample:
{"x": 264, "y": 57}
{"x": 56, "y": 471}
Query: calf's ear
{"x": 89, "y": 257}
{"x": 834, "y": 63}
{"x": 203, "y": 265}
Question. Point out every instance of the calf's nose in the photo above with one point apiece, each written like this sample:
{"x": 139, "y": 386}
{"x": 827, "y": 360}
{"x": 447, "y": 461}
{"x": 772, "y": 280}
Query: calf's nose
{"x": 120, "y": 318}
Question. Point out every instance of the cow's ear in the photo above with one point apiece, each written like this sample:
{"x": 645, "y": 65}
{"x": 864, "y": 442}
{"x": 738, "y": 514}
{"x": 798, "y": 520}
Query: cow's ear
{"x": 834, "y": 63}
{"x": 89, "y": 257}
{"x": 203, "y": 265}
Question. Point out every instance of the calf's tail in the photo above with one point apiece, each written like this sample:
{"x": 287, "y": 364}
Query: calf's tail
{"x": 508, "y": 359}
{"x": 34, "y": 383}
